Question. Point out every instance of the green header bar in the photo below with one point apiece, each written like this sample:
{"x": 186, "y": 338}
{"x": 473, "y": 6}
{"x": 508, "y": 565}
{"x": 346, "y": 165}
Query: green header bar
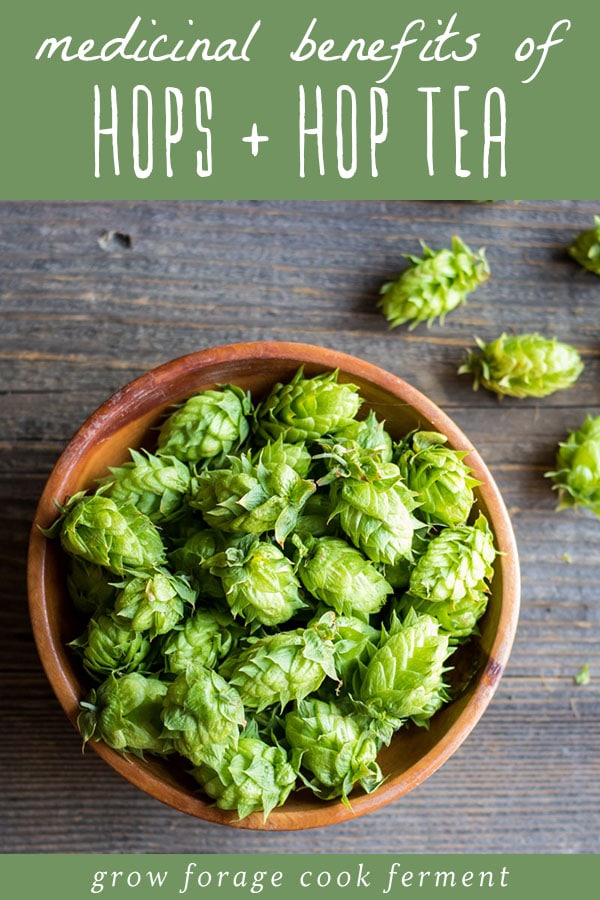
{"x": 369, "y": 876}
{"x": 188, "y": 99}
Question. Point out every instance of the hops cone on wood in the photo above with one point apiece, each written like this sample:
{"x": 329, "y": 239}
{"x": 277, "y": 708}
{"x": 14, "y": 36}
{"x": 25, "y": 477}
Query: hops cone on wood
{"x": 577, "y": 473}
{"x": 433, "y": 285}
{"x": 523, "y": 365}
{"x": 585, "y": 249}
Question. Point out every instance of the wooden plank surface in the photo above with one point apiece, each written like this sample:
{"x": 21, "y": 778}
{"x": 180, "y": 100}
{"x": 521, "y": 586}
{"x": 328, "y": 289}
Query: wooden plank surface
{"x": 85, "y": 309}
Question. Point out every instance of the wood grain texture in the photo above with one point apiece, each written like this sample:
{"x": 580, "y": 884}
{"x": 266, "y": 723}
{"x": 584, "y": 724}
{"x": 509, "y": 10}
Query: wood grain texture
{"x": 82, "y": 314}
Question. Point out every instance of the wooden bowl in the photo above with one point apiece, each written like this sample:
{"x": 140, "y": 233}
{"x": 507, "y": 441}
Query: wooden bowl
{"x": 125, "y": 421}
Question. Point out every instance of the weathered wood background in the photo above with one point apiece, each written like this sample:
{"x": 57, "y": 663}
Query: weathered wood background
{"x": 93, "y": 294}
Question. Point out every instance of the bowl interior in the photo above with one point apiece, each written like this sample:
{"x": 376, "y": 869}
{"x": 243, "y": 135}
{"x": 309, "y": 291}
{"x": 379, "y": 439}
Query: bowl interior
{"x": 129, "y": 419}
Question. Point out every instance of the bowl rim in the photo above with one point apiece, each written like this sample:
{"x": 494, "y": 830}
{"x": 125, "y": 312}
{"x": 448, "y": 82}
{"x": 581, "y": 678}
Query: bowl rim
{"x": 140, "y": 394}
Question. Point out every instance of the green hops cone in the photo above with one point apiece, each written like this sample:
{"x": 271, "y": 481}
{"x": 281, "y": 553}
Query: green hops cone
{"x": 338, "y": 575}
{"x": 252, "y": 499}
{"x": 278, "y": 452}
{"x": 89, "y": 586}
{"x": 156, "y": 485}
{"x": 208, "y": 424}
{"x": 201, "y": 712}
{"x": 118, "y": 538}
{"x": 585, "y": 249}
{"x": 305, "y": 409}
{"x": 404, "y": 678}
{"x": 438, "y": 476}
{"x": 433, "y": 285}
{"x": 125, "y": 713}
{"x": 369, "y": 434}
{"x": 334, "y": 747}
{"x": 287, "y": 666}
{"x": 523, "y": 365}
{"x": 259, "y": 582}
{"x": 153, "y": 603}
{"x": 456, "y": 564}
{"x": 108, "y": 647}
{"x": 375, "y": 509}
{"x": 222, "y": 495}
{"x": 203, "y": 639}
{"x": 577, "y": 473}
{"x": 254, "y": 776}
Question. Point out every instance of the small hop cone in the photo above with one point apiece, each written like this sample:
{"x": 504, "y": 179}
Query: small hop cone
{"x": 225, "y": 496}
{"x": 125, "y": 713}
{"x": 89, "y": 586}
{"x": 278, "y": 453}
{"x": 108, "y": 646}
{"x": 153, "y": 603}
{"x": 368, "y": 434}
{"x": 439, "y": 477}
{"x": 457, "y": 564}
{"x": 259, "y": 582}
{"x": 203, "y": 639}
{"x": 585, "y": 249}
{"x": 433, "y": 285}
{"x": 305, "y": 409}
{"x": 525, "y": 365}
{"x": 202, "y": 711}
{"x": 249, "y": 498}
{"x": 156, "y": 485}
{"x": 337, "y": 574}
{"x": 404, "y": 678}
{"x": 333, "y": 748}
{"x": 287, "y": 666}
{"x": 252, "y": 777}
{"x": 577, "y": 473}
{"x": 375, "y": 508}
{"x": 95, "y": 529}
{"x": 207, "y": 425}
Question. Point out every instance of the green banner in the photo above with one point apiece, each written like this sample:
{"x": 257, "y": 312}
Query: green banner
{"x": 314, "y": 100}
{"x": 426, "y": 877}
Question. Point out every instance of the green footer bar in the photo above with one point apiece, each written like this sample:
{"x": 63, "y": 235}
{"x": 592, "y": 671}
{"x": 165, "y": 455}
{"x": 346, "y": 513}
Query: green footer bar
{"x": 413, "y": 877}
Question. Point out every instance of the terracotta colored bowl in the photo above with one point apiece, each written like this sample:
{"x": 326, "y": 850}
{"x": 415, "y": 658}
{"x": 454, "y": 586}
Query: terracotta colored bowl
{"x": 125, "y": 421}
